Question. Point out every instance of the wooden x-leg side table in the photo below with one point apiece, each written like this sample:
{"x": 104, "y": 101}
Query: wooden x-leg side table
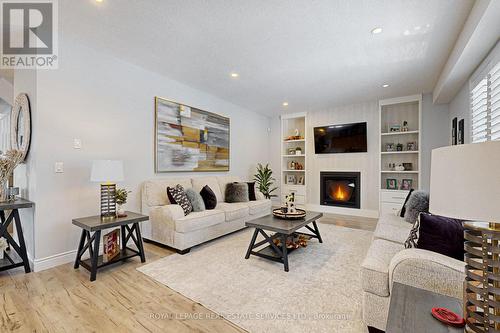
{"x": 130, "y": 229}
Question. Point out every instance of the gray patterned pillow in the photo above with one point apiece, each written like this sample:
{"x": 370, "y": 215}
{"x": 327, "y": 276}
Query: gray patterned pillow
{"x": 196, "y": 200}
{"x": 178, "y": 196}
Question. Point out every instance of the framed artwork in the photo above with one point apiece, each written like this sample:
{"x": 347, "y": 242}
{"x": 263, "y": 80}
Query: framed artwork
{"x": 395, "y": 128}
{"x": 189, "y": 139}
{"x": 392, "y": 184}
{"x": 461, "y": 124}
{"x": 291, "y": 179}
{"x": 454, "y": 123}
{"x": 406, "y": 184}
{"x": 411, "y": 146}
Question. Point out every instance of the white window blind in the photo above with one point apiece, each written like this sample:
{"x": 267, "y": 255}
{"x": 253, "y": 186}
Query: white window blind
{"x": 485, "y": 107}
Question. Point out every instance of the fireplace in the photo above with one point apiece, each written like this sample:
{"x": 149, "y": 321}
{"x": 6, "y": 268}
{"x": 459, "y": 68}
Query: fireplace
{"x": 340, "y": 189}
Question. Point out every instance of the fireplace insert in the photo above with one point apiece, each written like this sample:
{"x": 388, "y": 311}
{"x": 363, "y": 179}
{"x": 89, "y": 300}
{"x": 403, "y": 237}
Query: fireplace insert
{"x": 342, "y": 189}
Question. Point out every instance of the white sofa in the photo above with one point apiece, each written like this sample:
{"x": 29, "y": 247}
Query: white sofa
{"x": 167, "y": 224}
{"x": 387, "y": 261}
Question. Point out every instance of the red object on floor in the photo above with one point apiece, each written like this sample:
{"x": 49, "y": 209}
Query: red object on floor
{"x": 448, "y": 317}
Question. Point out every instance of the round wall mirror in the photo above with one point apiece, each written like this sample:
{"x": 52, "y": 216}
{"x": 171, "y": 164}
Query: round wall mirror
{"x": 20, "y": 131}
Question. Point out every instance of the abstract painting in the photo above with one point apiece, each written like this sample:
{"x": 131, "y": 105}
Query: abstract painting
{"x": 189, "y": 139}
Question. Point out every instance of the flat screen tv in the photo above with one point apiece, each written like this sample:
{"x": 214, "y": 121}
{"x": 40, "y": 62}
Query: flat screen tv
{"x": 345, "y": 138}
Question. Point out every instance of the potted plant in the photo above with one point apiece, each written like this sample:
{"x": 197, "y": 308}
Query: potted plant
{"x": 264, "y": 179}
{"x": 121, "y": 199}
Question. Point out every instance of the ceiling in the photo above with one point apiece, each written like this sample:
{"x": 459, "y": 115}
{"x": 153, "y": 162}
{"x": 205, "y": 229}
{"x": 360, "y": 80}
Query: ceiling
{"x": 312, "y": 54}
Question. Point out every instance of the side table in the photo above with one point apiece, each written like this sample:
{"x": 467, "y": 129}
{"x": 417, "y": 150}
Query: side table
{"x": 90, "y": 242}
{"x": 19, "y": 256}
{"x": 410, "y": 310}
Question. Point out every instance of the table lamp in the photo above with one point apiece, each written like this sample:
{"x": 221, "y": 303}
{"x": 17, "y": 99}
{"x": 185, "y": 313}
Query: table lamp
{"x": 107, "y": 172}
{"x": 465, "y": 184}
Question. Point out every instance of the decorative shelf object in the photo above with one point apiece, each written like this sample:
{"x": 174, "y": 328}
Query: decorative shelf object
{"x": 298, "y": 140}
{"x": 403, "y": 171}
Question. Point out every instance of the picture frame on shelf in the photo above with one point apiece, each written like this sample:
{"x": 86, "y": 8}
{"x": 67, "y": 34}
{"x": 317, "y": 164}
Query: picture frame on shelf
{"x": 411, "y": 146}
{"x": 291, "y": 179}
{"x": 391, "y": 183}
{"x": 390, "y": 147}
{"x": 406, "y": 184}
{"x": 395, "y": 128}
{"x": 408, "y": 166}
{"x": 300, "y": 181}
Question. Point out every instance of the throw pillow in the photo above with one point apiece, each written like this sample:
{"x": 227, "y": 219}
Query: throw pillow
{"x": 236, "y": 192}
{"x": 209, "y": 197}
{"x": 180, "y": 198}
{"x": 403, "y": 210}
{"x": 417, "y": 203}
{"x": 196, "y": 200}
{"x": 251, "y": 191}
{"x": 439, "y": 234}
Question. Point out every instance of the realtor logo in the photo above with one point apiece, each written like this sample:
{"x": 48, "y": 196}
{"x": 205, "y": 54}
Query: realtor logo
{"x": 29, "y": 34}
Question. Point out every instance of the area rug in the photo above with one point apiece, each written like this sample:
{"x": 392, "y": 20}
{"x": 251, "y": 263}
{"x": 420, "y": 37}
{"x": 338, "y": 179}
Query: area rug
{"x": 320, "y": 293}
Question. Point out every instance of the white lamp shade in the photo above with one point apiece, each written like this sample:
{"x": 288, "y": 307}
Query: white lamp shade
{"x": 465, "y": 182}
{"x": 107, "y": 171}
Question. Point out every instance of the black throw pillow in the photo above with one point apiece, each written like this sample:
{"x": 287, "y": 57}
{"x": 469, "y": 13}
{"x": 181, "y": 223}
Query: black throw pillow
{"x": 209, "y": 197}
{"x": 403, "y": 210}
{"x": 251, "y": 191}
{"x": 180, "y": 198}
{"x": 439, "y": 234}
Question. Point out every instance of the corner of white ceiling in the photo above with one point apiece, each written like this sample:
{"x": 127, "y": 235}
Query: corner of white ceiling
{"x": 478, "y": 36}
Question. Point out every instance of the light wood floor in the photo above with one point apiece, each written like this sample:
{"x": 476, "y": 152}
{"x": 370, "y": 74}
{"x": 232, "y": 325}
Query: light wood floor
{"x": 122, "y": 299}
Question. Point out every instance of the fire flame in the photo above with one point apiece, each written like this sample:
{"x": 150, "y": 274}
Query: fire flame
{"x": 339, "y": 193}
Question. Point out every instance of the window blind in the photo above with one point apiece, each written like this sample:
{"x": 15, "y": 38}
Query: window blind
{"x": 485, "y": 107}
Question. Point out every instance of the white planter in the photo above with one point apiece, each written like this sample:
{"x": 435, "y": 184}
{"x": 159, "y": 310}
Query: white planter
{"x": 3, "y": 246}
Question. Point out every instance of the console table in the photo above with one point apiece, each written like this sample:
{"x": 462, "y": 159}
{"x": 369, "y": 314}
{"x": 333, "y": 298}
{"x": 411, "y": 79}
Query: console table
{"x": 15, "y": 255}
{"x": 90, "y": 242}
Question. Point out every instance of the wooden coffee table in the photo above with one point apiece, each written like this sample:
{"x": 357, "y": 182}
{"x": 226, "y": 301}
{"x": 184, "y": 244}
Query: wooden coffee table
{"x": 282, "y": 230}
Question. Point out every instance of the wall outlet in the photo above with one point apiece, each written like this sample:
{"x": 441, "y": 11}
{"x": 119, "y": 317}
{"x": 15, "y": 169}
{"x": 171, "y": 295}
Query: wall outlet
{"x": 59, "y": 167}
{"x": 77, "y": 143}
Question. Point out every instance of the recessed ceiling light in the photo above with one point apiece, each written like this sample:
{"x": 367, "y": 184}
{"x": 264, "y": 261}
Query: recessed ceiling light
{"x": 385, "y": 85}
{"x": 377, "y": 30}
{"x": 285, "y": 103}
{"x": 98, "y": 0}
{"x": 235, "y": 74}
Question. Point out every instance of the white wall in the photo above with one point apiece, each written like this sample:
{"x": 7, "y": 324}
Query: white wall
{"x": 109, "y": 105}
{"x": 435, "y": 134}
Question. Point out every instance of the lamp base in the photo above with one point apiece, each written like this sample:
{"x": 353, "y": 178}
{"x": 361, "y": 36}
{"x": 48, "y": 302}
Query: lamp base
{"x": 108, "y": 200}
{"x": 482, "y": 281}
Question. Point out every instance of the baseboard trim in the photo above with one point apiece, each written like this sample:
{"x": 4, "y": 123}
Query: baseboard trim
{"x": 343, "y": 211}
{"x": 53, "y": 261}
{"x": 57, "y": 260}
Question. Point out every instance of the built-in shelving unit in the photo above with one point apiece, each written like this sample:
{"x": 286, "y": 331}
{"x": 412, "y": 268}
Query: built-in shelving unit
{"x": 293, "y": 176}
{"x": 393, "y": 113}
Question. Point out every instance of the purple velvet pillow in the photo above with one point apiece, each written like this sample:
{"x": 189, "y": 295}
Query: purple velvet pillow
{"x": 442, "y": 235}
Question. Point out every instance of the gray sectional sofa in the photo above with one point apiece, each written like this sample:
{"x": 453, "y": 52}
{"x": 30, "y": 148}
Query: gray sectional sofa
{"x": 167, "y": 224}
{"x": 387, "y": 261}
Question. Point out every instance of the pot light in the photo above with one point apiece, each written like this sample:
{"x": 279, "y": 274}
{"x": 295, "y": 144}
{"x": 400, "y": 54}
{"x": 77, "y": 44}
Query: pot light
{"x": 377, "y": 30}
{"x": 285, "y": 103}
{"x": 235, "y": 74}
{"x": 385, "y": 85}
{"x": 99, "y": 1}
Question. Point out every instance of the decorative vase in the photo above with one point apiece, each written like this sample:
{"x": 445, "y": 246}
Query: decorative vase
{"x": 120, "y": 212}
{"x": 4, "y": 191}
